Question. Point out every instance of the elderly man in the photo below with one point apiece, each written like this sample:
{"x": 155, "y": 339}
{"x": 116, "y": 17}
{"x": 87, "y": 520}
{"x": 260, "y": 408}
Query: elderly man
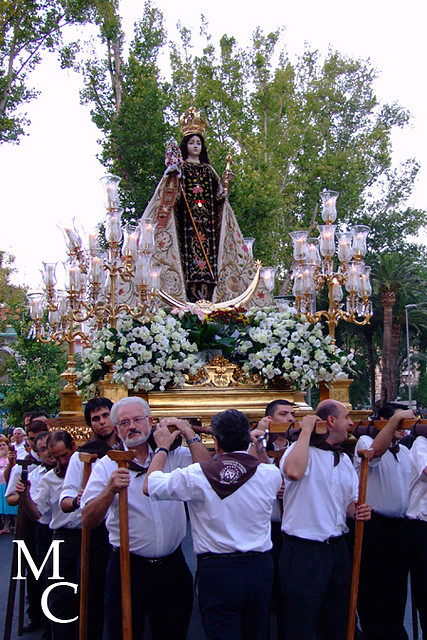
{"x": 161, "y": 583}
{"x": 230, "y": 500}
{"x": 19, "y": 443}
{"x": 321, "y": 489}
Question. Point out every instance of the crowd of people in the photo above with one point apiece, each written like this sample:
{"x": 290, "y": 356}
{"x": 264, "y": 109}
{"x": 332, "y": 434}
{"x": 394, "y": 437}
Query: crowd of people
{"x": 271, "y": 521}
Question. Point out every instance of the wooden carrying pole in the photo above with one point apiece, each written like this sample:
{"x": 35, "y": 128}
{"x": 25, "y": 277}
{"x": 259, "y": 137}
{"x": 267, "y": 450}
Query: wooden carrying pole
{"x": 122, "y": 458}
{"x": 357, "y": 552}
{"x": 20, "y": 526}
{"x": 87, "y": 459}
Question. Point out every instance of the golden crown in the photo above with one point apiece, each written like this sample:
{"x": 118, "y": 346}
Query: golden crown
{"x": 192, "y": 122}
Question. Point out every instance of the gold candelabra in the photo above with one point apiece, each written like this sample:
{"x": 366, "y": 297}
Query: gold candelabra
{"x": 314, "y": 259}
{"x": 92, "y": 299}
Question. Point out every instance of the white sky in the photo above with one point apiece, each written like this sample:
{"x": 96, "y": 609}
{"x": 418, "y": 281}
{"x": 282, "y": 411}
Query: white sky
{"x": 53, "y": 174}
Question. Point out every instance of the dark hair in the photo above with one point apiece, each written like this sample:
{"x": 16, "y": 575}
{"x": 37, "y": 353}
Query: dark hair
{"x": 387, "y": 410}
{"x": 61, "y": 436}
{"x": 38, "y": 414}
{"x": 203, "y": 157}
{"x": 40, "y": 436}
{"x": 36, "y": 426}
{"x": 93, "y": 404}
{"x": 328, "y": 408}
{"x": 231, "y": 429}
{"x": 272, "y": 406}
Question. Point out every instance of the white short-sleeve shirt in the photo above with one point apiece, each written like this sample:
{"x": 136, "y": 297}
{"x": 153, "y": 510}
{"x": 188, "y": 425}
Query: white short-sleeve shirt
{"x": 315, "y": 507}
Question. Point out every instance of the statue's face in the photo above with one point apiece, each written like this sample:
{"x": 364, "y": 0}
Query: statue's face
{"x": 194, "y": 147}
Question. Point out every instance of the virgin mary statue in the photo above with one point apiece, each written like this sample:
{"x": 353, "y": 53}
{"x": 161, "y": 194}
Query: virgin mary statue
{"x": 199, "y": 247}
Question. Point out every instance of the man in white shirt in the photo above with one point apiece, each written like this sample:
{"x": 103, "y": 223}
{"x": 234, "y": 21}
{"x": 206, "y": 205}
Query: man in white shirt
{"x": 321, "y": 489}
{"x": 97, "y": 416}
{"x": 161, "y": 583}
{"x": 62, "y": 602}
{"x": 417, "y": 514}
{"x": 19, "y": 443}
{"x": 230, "y": 501}
{"x": 277, "y": 411}
{"x": 385, "y": 563}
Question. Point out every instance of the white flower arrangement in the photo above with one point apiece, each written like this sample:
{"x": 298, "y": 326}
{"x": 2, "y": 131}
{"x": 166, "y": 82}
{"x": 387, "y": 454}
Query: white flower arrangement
{"x": 277, "y": 344}
{"x": 157, "y": 352}
{"x": 145, "y": 354}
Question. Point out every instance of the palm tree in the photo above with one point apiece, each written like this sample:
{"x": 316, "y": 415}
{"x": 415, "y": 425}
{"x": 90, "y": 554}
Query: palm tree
{"x": 393, "y": 274}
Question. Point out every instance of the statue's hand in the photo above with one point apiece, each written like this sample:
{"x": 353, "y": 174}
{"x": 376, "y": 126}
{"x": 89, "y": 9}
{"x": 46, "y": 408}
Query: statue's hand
{"x": 227, "y": 176}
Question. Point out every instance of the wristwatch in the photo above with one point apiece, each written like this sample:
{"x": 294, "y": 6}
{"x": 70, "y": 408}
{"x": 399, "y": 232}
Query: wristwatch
{"x": 161, "y": 449}
{"x": 193, "y": 440}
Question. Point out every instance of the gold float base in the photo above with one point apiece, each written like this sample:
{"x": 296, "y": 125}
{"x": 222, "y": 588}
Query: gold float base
{"x": 205, "y": 402}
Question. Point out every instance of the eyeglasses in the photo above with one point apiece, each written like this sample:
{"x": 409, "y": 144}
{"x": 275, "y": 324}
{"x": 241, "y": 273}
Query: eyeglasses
{"x": 137, "y": 421}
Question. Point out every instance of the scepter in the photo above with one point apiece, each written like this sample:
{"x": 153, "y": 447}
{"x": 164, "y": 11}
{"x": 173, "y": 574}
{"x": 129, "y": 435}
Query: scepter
{"x": 228, "y": 159}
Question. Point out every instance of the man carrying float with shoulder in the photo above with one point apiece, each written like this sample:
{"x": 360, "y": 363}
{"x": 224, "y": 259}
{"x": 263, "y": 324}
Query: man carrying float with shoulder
{"x": 161, "y": 583}
{"x": 230, "y": 500}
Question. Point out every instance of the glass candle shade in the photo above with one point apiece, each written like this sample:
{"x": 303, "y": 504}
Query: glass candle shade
{"x": 73, "y": 277}
{"x": 336, "y": 293}
{"x": 360, "y": 233}
{"x": 36, "y": 303}
{"x": 48, "y": 274}
{"x": 113, "y": 229}
{"x": 353, "y": 277}
{"x": 62, "y": 303}
{"x": 111, "y": 191}
{"x": 365, "y": 287}
{"x": 297, "y": 288}
{"x": 72, "y": 237}
{"x": 299, "y": 239}
{"x": 313, "y": 255}
{"x": 143, "y": 270}
{"x": 93, "y": 241}
{"x": 268, "y": 274}
{"x": 130, "y": 241}
{"x": 329, "y": 209}
{"x": 248, "y": 247}
{"x": 308, "y": 285}
{"x": 345, "y": 250}
{"x": 327, "y": 240}
{"x": 96, "y": 271}
{"x": 146, "y": 237}
{"x": 155, "y": 278}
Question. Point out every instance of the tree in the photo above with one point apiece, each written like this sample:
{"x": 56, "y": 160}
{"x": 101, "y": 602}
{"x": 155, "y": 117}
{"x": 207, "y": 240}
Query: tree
{"x": 28, "y": 28}
{"x": 398, "y": 282}
{"x": 34, "y": 373}
{"x": 33, "y": 368}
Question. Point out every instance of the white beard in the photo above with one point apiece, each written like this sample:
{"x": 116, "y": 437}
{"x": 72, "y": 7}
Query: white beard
{"x": 136, "y": 441}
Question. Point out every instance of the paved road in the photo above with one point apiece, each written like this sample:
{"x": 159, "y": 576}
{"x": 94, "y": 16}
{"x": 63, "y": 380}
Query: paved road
{"x": 195, "y": 632}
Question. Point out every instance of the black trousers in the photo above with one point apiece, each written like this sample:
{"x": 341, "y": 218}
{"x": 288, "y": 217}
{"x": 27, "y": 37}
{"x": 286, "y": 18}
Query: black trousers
{"x": 63, "y": 603}
{"x": 162, "y": 590}
{"x": 277, "y": 599}
{"x": 98, "y": 560}
{"x": 234, "y": 595}
{"x": 418, "y": 564}
{"x": 384, "y": 578}
{"x": 315, "y": 578}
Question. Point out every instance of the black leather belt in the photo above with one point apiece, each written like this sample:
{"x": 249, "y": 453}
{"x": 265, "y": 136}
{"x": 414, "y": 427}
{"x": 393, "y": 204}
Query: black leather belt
{"x": 150, "y": 561}
{"x": 232, "y": 554}
{"x": 331, "y": 540}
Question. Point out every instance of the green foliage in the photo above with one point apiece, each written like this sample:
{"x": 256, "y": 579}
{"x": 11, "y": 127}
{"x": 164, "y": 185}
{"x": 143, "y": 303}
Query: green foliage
{"x": 27, "y": 29}
{"x": 34, "y": 369}
{"x": 33, "y": 373}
